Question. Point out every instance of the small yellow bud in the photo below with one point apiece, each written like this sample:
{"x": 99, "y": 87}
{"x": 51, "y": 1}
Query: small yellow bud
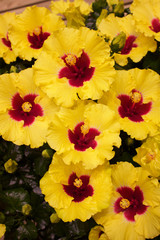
{"x": 26, "y": 209}
{"x": 13, "y": 69}
{"x": 103, "y": 15}
{"x": 119, "y": 9}
{"x": 118, "y": 42}
{"x": 2, "y": 217}
{"x": 47, "y": 153}
{"x": 54, "y": 218}
{"x": 10, "y": 166}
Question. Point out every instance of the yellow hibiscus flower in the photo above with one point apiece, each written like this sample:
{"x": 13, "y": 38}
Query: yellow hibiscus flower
{"x": 73, "y": 11}
{"x": 24, "y": 110}
{"x": 74, "y": 192}
{"x": 6, "y": 51}
{"x": 30, "y": 30}
{"x": 148, "y": 155}
{"x": 147, "y": 16}
{"x": 75, "y": 63}
{"x": 135, "y": 97}
{"x": 134, "y": 211}
{"x": 85, "y": 133}
{"x": 135, "y": 46}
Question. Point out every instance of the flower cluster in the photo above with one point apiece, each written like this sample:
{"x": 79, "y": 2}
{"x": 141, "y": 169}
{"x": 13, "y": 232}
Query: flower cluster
{"x": 83, "y": 80}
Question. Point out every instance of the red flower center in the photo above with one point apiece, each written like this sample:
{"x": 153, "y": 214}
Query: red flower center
{"x": 130, "y": 202}
{"x": 133, "y": 106}
{"x": 83, "y": 137}
{"x": 78, "y": 188}
{"x": 7, "y": 42}
{"x": 77, "y": 70}
{"x": 155, "y": 25}
{"x": 129, "y": 44}
{"x": 25, "y": 109}
{"x": 37, "y": 38}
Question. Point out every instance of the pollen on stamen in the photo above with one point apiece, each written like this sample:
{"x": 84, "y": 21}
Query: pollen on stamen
{"x": 37, "y": 31}
{"x": 124, "y": 203}
{"x": 136, "y": 96}
{"x": 70, "y": 59}
{"x": 77, "y": 182}
{"x": 85, "y": 129}
{"x": 26, "y": 107}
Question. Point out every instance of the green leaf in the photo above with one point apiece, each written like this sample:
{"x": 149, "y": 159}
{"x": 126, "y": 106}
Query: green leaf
{"x": 26, "y": 231}
{"x": 41, "y": 165}
{"x": 15, "y": 198}
{"x": 98, "y": 5}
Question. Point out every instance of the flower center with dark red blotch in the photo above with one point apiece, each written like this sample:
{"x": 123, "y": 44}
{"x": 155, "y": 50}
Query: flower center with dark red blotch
{"x": 83, "y": 137}
{"x": 155, "y": 25}
{"x": 78, "y": 187}
{"x": 129, "y": 44}
{"x": 6, "y": 42}
{"x": 132, "y": 106}
{"x": 77, "y": 69}
{"x": 37, "y": 38}
{"x": 25, "y": 109}
{"x": 130, "y": 202}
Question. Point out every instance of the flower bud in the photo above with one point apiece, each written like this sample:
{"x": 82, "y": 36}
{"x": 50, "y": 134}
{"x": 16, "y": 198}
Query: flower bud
{"x": 119, "y": 9}
{"x": 54, "y": 218}
{"x": 2, "y": 217}
{"x": 103, "y": 15}
{"x": 26, "y": 209}
{"x": 13, "y": 69}
{"x": 10, "y": 166}
{"x": 118, "y": 42}
{"x": 47, "y": 153}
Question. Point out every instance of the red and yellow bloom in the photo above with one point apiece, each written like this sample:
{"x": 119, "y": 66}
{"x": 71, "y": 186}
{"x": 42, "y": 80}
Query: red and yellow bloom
{"x": 74, "y": 63}
{"x": 134, "y": 212}
{"x": 74, "y": 192}
{"x": 135, "y": 97}
{"x": 24, "y": 110}
{"x": 85, "y": 133}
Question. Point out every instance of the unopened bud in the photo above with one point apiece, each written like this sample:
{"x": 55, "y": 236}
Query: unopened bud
{"x": 103, "y": 15}
{"x": 129, "y": 141}
{"x": 10, "y": 166}
{"x": 13, "y": 69}
{"x": 26, "y": 209}
{"x": 47, "y": 153}
{"x": 118, "y": 42}
{"x": 119, "y": 9}
{"x": 2, "y": 217}
{"x": 54, "y": 218}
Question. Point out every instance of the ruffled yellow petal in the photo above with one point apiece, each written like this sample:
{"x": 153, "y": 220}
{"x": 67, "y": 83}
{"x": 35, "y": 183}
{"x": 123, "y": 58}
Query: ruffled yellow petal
{"x": 54, "y": 193}
{"x": 148, "y": 156}
{"x": 97, "y": 233}
{"x": 82, "y": 211}
{"x": 148, "y": 224}
{"x": 31, "y": 19}
{"x": 6, "y": 21}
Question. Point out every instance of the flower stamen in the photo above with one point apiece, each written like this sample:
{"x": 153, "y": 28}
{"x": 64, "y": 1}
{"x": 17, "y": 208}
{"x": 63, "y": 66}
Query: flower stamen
{"x": 26, "y": 107}
{"x": 136, "y": 97}
{"x": 85, "y": 129}
{"x": 77, "y": 182}
{"x": 70, "y": 59}
{"x": 124, "y": 203}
